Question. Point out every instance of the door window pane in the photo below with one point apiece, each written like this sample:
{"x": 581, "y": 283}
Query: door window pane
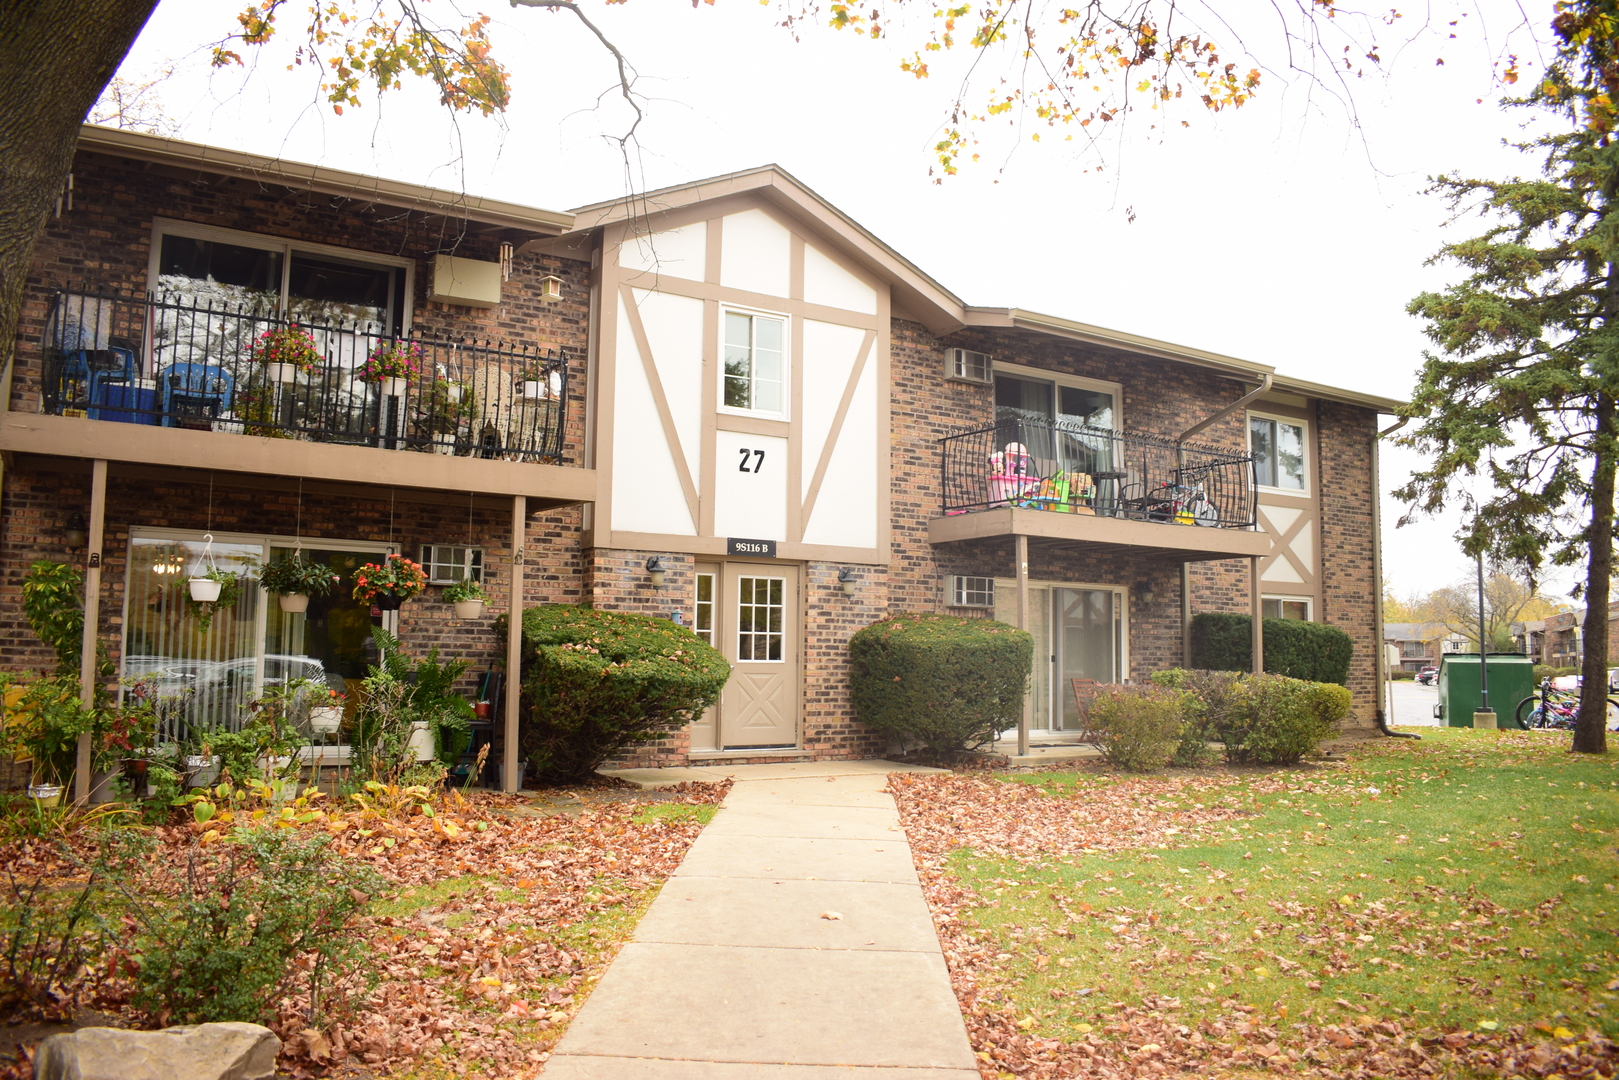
{"x": 760, "y": 617}
{"x": 207, "y": 673}
{"x": 213, "y": 269}
{"x": 328, "y": 643}
{"x": 329, "y": 291}
{"x": 1092, "y": 408}
{"x": 703, "y": 616}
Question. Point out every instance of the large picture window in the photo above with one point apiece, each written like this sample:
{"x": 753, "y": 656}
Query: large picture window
{"x": 1277, "y": 443}
{"x": 755, "y": 368}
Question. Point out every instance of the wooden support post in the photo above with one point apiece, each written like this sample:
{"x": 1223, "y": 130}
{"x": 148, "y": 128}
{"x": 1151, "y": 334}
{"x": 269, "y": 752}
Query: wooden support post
{"x": 1023, "y": 624}
{"x": 1186, "y": 615}
{"x": 1258, "y": 620}
{"x": 514, "y": 646}
{"x": 92, "y": 621}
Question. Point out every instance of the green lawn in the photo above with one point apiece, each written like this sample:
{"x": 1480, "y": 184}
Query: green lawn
{"x": 1465, "y": 880}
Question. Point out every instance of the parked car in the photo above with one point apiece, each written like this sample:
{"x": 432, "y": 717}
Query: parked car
{"x": 1427, "y": 676}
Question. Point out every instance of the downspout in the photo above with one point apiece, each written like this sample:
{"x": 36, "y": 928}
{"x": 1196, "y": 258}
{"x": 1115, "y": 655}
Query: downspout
{"x": 1186, "y": 573}
{"x": 1263, "y": 388}
{"x": 1379, "y": 646}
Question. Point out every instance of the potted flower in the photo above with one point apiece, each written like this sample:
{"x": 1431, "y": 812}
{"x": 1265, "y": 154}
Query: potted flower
{"x": 390, "y": 583}
{"x": 286, "y": 352}
{"x": 443, "y": 409}
{"x": 467, "y": 596}
{"x": 326, "y": 716}
{"x": 535, "y": 383}
{"x": 294, "y": 581}
{"x": 392, "y": 365}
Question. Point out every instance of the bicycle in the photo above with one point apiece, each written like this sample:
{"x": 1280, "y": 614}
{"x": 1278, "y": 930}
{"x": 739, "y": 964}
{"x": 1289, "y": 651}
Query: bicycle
{"x": 1557, "y": 710}
{"x": 1183, "y": 504}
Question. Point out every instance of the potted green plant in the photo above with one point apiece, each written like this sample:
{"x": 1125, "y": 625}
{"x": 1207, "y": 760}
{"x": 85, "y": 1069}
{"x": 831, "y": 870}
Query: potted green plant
{"x": 211, "y": 590}
{"x": 326, "y": 713}
{"x": 444, "y": 407}
{"x": 468, "y": 598}
{"x": 294, "y": 581}
{"x": 42, "y": 725}
{"x": 285, "y": 352}
{"x": 390, "y": 583}
{"x": 392, "y": 365}
{"x": 535, "y": 383}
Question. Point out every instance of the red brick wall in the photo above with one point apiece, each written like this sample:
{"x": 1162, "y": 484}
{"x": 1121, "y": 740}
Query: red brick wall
{"x": 1348, "y": 589}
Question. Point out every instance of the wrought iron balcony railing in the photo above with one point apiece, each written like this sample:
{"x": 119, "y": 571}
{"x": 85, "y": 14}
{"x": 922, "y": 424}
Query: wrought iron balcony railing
{"x": 1064, "y": 467}
{"x": 186, "y": 362}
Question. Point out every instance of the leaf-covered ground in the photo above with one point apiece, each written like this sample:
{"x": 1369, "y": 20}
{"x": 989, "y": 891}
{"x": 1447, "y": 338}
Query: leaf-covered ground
{"x": 487, "y": 941}
{"x": 1436, "y": 908}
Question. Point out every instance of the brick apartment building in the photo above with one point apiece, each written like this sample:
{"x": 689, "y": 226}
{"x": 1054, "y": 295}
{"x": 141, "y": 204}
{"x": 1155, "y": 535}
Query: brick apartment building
{"x": 725, "y": 403}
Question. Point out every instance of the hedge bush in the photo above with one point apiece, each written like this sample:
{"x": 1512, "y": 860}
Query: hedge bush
{"x": 944, "y": 682}
{"x": 1138, "y": 728}
{"x": 1397, "y": 674}
{"x": 1311, "y": 651}
{"x": 1261, "y": 719}
{"x": 596, "y": 683}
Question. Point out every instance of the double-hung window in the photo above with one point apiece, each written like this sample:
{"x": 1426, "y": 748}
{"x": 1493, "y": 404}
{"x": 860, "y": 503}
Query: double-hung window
{"x": 755, "y": 363}
{"x": 1278, "y": 445}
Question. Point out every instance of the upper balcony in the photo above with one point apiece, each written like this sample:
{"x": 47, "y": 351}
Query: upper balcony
{"x": 1068, "y": 484}
{"x": 184, "y": 381}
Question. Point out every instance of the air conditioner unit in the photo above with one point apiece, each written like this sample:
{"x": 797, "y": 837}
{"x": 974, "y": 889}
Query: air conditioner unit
{"x": 963, "y": 590}
{"x": 968, "y": 366}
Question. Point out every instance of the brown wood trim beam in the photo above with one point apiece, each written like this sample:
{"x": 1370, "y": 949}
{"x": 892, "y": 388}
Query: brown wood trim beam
{"x": 1087, "y": 528}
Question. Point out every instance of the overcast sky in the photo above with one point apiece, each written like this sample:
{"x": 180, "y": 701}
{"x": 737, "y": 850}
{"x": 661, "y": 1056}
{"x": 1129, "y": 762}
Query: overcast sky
{"x": 1285, "y": 232}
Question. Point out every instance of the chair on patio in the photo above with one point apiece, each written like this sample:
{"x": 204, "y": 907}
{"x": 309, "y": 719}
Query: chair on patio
{"x": 1085, "y": 691}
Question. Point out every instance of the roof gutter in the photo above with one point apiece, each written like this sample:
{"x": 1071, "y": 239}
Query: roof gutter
{"x": 1263, "y": 388}
{"x": 1380, "y": 654}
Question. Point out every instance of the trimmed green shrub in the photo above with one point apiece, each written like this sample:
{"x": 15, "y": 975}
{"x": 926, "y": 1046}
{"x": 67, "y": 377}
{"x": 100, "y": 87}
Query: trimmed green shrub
{"x": 1138, "y": 728}
{"x": 596, "y": 683}
{"x": 1281, "y": 719}
{"x": 1399, "y": 674}
{"x": 941, "y": 681}
{"x": 1300, "y": 650}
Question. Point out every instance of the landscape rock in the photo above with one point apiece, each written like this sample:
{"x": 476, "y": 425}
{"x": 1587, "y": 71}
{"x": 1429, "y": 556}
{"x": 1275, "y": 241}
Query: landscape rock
{"x": 198, "y": 1052}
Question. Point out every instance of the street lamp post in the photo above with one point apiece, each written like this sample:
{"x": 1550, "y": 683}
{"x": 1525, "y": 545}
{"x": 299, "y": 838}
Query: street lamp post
{"x": 1485, "y": 717}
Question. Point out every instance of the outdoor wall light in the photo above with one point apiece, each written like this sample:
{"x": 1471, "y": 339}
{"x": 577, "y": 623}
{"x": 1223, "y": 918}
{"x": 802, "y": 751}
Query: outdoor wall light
{"x": 76, "y": 534}
{"x": 551, "y": 288}
{"x": 1144, "y": 592}
{"x": 847, "y": 579}
{"x": 655, "y": 570}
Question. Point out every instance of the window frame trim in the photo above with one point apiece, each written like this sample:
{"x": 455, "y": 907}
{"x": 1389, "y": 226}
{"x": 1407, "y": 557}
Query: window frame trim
{"x": 287, "y": 246}
{"x": 1307, "y": 601}
{"x": 1308, "y": 490}
{"x": 786, "y": 320}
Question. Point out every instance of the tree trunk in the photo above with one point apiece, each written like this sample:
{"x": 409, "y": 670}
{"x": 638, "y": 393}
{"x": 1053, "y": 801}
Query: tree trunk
{"x": 56, "y": 56}
{"x": 1590, "y": 731}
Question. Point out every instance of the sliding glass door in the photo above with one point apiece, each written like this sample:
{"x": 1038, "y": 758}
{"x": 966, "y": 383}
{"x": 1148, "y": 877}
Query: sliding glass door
{"x": 1079, "y": 633}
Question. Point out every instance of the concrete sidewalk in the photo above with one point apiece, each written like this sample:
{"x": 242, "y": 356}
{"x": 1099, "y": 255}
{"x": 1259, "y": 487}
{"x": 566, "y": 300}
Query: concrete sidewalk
{"x": 735, "y": 974}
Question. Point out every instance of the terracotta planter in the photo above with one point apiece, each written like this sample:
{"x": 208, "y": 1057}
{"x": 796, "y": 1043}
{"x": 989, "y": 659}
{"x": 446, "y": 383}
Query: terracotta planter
{"x": 205, "y": 590}
{"x": 293, "y": 603}
{"x": 468, "y": 609}
{"x": 282, "y": 373}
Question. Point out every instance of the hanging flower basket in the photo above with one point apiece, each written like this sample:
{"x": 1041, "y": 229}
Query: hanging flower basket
{"x": 205, "y": 590}
{"x": 389, "y": 583}
{"x": 293, "y": 603}
{"x": 295, "y": 581}
{"x": 400, "y": 361}
{"x": 287, "y": 352}
{"x": 467, "y": 597}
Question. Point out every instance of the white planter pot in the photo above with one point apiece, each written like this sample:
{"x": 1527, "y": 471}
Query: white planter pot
{"x": 468, "y": 609}
{"x": 392, "y": 387}
{"x": 325, "y": 719}
{"x": 293, "y": 603}
{"x": 229, "y": 425}
{"x": 454, "y": 391}
{"x": 45, "y": 795}
{"x": 205, "y": 590}
{"x": 444, "y": 444}
{"x": 282, "y": 373}
{"x": 274, "y": 766}
{"x": 421, "y": 740}
{"x": 203, "y": 770}
{"x": 531, "y": 389}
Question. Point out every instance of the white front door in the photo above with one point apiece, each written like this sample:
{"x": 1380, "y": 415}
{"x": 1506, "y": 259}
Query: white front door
{"x": 749, "y": 611}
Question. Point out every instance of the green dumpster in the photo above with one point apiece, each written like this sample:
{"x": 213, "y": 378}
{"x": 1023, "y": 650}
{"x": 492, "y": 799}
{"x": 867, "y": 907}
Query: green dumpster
{"x": 1512, "y": 678}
